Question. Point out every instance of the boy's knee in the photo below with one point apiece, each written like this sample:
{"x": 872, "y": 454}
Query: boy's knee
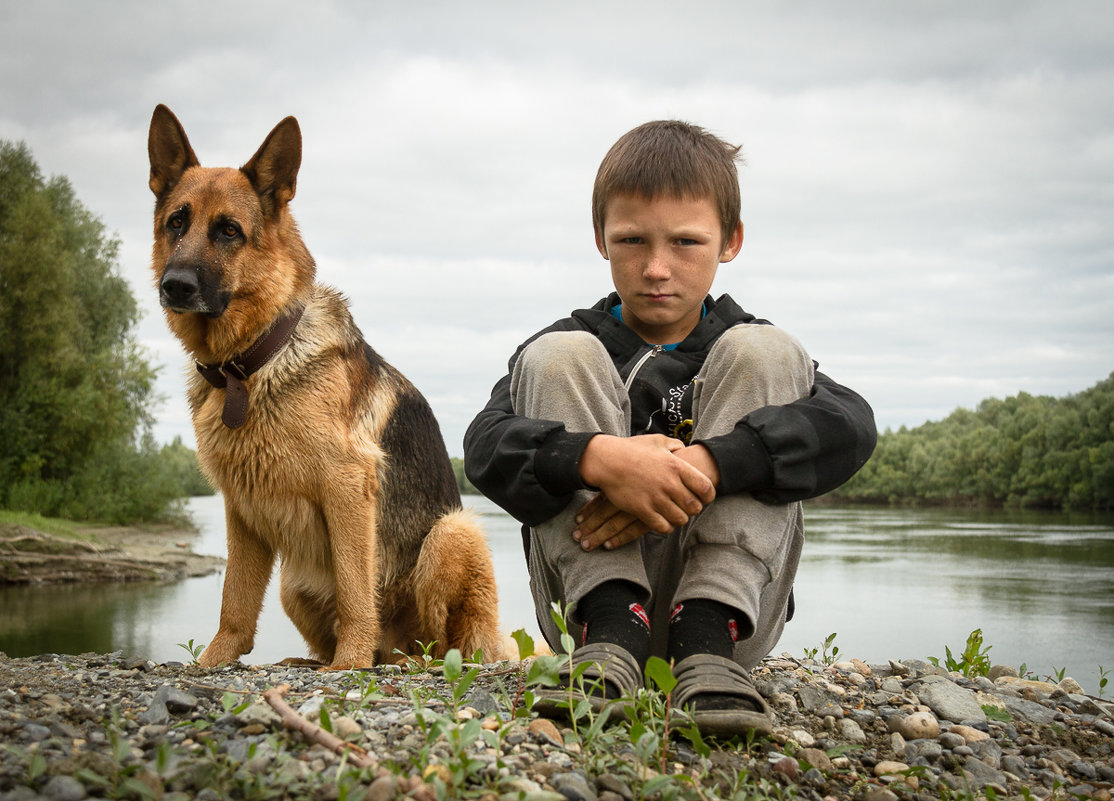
{"x": 764, "y": 350}
{"x": 563, "y": 352}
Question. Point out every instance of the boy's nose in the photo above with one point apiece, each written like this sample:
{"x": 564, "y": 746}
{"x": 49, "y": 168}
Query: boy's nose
{"x": 657, "y": 267}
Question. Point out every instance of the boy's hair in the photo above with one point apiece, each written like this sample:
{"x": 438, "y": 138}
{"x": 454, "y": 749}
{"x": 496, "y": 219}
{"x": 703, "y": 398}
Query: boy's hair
{"x": 674, "y": 159}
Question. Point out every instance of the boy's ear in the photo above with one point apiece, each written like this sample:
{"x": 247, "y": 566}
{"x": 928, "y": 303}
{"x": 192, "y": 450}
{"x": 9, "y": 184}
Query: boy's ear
{"x": 600, "y": 245}
{"x": 733, "y": 245}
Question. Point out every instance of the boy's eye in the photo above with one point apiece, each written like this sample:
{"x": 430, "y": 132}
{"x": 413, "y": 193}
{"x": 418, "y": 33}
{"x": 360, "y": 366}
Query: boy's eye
{"x": 631, "y": 240}
{"x": 687, "y": 242}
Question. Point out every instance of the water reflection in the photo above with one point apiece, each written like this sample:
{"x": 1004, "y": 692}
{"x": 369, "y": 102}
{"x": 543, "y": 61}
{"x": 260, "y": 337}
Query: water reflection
{"x": 891, "y": 583}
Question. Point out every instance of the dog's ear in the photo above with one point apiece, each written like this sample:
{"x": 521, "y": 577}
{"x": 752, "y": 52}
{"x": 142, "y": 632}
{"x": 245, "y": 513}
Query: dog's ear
{"x": 273, "y": 170}
{"x": 169, "y": 150}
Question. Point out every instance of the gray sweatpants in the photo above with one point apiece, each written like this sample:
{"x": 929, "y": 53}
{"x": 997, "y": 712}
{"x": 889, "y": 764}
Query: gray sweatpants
{"x": 738, "y": 551}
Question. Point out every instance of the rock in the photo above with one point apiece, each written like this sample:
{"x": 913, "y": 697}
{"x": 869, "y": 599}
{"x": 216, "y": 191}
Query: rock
{"x": 346, "y": 728}
{"x": 64, "y": 788}
{"x": 816, "y": 758}
{"x": 979, "y": 774}
{"x": 546, "y": 730}
{"x": 999, "y": 671}
{"x": 851, "y": 731}
{"x": 919, "y": 726}
{"x": 1029, "y": 711}
{"x": 573, "y": 786}
{"x": 787, "y": 767}
{"x": 950, "y": 701}
{"x": 819, "y": 701}
{"x": 892, "y": 771}
{"x": 875, "y": 792}
{"x": 259, "y": 714}
{"x": 969, "y": 734}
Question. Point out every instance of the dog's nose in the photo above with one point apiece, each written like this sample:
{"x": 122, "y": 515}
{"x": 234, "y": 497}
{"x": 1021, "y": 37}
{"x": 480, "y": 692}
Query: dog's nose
{"x": 179, "y": 286}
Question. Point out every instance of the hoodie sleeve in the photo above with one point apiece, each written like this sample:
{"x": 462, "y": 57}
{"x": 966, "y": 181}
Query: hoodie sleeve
{"x": 530, "y": 468}
{"x": 798, "y": 451}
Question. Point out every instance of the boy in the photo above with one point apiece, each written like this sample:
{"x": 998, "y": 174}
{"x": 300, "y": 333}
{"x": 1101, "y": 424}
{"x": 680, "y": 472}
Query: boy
{"x": 657, "y": 446}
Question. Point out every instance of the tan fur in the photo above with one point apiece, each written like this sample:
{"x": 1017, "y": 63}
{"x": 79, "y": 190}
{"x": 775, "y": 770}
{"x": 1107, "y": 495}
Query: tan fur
{"x": 306, "y": 477}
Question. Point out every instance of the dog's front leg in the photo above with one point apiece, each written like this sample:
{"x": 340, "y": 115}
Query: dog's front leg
{"x": 350, "y": 517}
{"x": 246, "y": 575}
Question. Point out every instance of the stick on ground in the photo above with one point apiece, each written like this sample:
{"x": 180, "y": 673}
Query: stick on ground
{"x": 295, "y": 722}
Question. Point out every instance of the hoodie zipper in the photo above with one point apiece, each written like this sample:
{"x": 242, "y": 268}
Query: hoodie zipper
{"x": 654, "y": 351}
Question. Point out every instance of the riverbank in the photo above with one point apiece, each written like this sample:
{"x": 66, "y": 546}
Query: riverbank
{"x": 109, "y": 726}
{"x": 100, "y": 554}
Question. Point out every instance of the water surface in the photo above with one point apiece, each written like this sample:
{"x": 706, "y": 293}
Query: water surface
{"x": 891, "y": 583}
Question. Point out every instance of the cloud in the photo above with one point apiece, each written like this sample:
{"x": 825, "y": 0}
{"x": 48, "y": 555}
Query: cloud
{"x": 926, "y": 194}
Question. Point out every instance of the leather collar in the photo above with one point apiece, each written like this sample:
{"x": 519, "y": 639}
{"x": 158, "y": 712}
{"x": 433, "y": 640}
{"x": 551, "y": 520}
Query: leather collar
{"x": 231, "y": 375}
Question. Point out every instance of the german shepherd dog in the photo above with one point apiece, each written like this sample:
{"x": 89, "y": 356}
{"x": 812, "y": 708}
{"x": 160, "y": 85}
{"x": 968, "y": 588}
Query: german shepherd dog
{"x": 326, "y": 456}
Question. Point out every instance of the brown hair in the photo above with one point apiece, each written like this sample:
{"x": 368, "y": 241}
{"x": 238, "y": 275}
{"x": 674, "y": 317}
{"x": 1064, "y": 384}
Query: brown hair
{"x": 672, "y": 158}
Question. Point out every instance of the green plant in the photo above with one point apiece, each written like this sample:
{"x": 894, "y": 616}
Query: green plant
{"x": 1057, "y": 674}
{"x": 1103, "y": 679}
{"x": 826, "y": 658}
{"x": 972, "y": 662}
{"x": 193, "y": 650}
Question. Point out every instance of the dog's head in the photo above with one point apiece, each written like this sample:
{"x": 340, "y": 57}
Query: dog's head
{"x": 225, "y": 245}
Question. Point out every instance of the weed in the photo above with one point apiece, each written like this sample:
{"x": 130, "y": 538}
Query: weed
{"x": 1057, "y": 674}
{"x": 1103, "y": 679}
{"x": 193, "y": 650}
{"x": 826, "y": 658}
{"x": 972, "y": 662}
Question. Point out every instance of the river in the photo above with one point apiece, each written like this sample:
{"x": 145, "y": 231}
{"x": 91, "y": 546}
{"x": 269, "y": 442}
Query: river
{"x": 889, "y": 583}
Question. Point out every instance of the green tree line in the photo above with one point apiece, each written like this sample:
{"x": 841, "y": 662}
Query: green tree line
{"x": 1025, "y": 451}
{"x": 76, "y": 390}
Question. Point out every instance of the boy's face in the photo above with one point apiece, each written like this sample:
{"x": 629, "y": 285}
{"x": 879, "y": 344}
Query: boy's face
{"x": 664, "y": 254}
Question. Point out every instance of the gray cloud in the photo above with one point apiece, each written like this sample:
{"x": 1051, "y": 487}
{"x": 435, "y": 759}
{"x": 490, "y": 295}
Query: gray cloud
{"x": 926, "y": 194}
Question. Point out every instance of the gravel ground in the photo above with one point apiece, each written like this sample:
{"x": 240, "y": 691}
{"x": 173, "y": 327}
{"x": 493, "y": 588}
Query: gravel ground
{"x": 110, "y": 726}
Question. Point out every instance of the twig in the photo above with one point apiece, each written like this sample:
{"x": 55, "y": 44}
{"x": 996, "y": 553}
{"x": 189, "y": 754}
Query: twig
{"x": 295, "y": 722}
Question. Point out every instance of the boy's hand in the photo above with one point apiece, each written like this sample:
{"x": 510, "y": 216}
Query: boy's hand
{"x": 647, "y": 483}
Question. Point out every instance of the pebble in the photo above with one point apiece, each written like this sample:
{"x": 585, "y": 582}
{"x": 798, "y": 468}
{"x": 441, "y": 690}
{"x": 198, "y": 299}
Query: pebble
{"x": 920, "y": 725}
{"x": 871, "y": 733}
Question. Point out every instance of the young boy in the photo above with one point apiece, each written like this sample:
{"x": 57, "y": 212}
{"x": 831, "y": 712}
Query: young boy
{"x": 657, "y": 446}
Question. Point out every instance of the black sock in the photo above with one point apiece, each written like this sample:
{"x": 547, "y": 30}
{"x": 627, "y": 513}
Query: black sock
{"x": 613, "y": 613}
{"x": 701, "y": 626}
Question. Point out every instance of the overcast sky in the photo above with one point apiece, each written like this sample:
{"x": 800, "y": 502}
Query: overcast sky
{"x": 928, "y": 194}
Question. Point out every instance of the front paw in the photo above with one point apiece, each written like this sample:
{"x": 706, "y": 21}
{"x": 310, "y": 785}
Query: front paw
{"x": 220, "y": 652}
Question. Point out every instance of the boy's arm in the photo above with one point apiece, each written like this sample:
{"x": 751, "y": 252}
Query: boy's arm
{"x": 528, "y": 467}
{"x": 801, "y": 450}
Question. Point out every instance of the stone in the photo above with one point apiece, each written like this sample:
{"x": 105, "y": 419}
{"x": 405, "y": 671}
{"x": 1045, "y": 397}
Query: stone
{"x": 573, "y": 786}
{"x": 979, "y": 774}
{"x": 851, "y": 731}
{"x": 816, "y": 758}
{"x": 999, "y": 671}
{"x": 175, "y": 699}
{"x": 969, "y": 734}
{"x": 258, "y": 714}
{"x": 787, "y": 767}
{"x": 819, "y": 701}
{"x": 64, "y": 788}
{"x": 611, "y": 783}
{"x": 1029, "y": 711}
{"x": 919, "y": 726}
{"x": 546, "y": 730}
{"x": 875, "y": 792}
{"x": 892, "y": 771}
{"x": 383, "y": 788}
{"x": 950, "y": 701}
{"x": 346, "y": 728}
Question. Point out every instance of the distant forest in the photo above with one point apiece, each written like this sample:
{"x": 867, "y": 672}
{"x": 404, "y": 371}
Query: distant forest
{"x": 1025, "y": 451}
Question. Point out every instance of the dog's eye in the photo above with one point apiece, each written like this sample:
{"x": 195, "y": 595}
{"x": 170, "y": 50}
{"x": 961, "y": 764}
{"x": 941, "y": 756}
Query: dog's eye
{"x": 175, "y": 222}
{"x": 229, "y": 230}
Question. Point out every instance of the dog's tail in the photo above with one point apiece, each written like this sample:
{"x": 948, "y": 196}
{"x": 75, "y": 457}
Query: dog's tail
{"x": 458, "y": 603}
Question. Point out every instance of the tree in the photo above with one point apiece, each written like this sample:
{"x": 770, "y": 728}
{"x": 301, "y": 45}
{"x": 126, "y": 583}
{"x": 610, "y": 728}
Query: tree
{"x": 75, "y": 389}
